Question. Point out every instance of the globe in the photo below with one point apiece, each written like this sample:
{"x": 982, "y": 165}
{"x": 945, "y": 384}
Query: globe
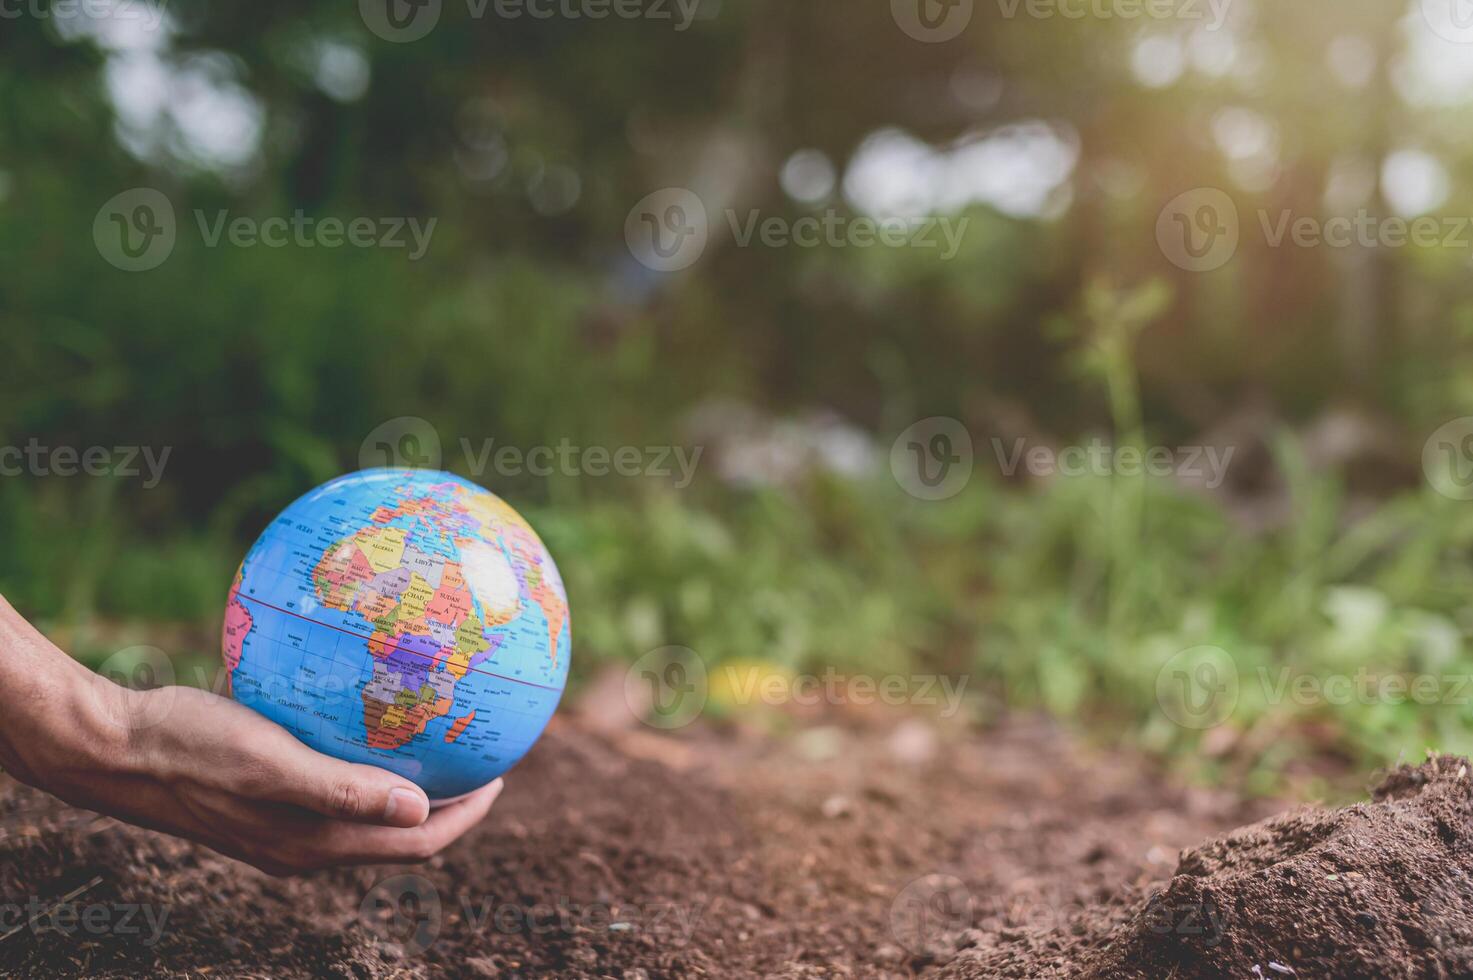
{"x": 407, "y": 619}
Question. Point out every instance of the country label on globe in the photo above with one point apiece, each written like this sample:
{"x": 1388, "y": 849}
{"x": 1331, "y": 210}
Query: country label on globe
{"x": 402, "y": 618}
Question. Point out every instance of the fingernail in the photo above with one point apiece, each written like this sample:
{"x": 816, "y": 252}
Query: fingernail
{"x": 406, "y": 808}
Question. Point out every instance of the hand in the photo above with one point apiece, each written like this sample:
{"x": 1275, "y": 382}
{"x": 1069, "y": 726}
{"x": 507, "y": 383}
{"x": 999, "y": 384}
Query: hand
{"x": 190, "y": 763}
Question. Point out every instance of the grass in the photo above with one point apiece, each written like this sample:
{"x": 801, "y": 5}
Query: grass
{"x": 1076, "y": 596}
{"x": 1033, "y": 594}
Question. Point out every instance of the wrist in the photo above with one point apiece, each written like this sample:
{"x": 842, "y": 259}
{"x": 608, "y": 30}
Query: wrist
{"x": 55, "y": 715}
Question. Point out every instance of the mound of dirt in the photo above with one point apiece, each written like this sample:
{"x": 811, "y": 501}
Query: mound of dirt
{"x": 1381, "y": 889}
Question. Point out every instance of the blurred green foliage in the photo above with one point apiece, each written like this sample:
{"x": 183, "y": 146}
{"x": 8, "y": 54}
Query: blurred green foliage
{"x": 527, "y": 142}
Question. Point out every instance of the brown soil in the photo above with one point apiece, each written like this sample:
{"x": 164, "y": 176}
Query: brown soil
{"x": 1381, "y": 889}
{"x": 841, "y": 850}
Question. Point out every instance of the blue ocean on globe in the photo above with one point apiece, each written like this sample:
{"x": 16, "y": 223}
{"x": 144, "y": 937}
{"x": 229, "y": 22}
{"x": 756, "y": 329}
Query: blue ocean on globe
{"x": 402, "y": 618}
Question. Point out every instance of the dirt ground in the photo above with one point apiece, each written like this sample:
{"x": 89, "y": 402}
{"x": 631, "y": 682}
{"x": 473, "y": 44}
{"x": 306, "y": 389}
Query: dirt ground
{"x": 840, "y": 850}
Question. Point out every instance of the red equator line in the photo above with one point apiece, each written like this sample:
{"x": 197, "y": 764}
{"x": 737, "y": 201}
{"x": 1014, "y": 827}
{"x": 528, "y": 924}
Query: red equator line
{"x": 412, "y": 653}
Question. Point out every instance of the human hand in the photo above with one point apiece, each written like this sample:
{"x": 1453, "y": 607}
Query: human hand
{"x": 199, "y": 766}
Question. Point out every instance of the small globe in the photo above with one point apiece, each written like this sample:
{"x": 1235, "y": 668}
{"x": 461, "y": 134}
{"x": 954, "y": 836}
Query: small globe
{"x": 407, "y": 619}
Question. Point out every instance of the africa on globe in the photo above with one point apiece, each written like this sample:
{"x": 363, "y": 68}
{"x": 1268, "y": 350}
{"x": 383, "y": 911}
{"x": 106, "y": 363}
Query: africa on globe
{"x": 407, "y": 619}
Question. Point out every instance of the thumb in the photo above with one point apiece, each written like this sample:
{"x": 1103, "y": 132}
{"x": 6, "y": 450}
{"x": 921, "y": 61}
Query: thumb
{"x": 346, "y": 791}
{"x": 274, "y": 765}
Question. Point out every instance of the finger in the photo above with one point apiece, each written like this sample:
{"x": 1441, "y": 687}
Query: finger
{"x": 346, "y": 843}
{"x": 449, "y": 822}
